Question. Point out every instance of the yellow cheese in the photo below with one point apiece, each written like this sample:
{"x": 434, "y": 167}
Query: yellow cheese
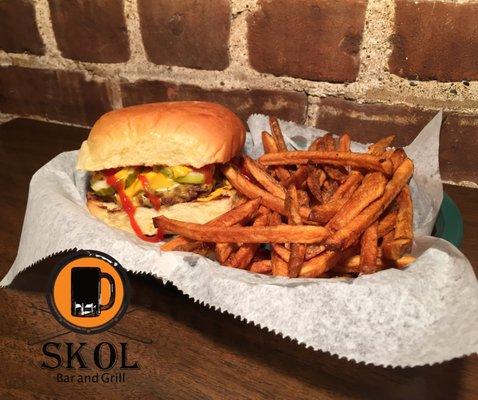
{"x": 157, "y": 181}
{"x": 222, "y": 191}
{"x": 179, "y": 171}
{"x": 123, "y": 173}
{"x": 134, "y": 188}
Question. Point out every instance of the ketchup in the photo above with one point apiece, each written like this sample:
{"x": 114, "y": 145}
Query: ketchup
{"x": 129, "y": 207}
{"x": 208, "y": 172}
{"x": 155, "y": 200}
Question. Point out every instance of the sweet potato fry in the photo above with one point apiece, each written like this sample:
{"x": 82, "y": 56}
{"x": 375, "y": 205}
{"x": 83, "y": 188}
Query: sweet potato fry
{"x": 369, "y": 250}
{"x": 379, "y": 147}
{"x": 397, "y": 157}
{"x": 349, "y": 234}
{"x": 268, "y": 143}
{"x": 279, "y": 266}
{"x": 404, "y": 222}
{"x": 372, "y": 187}
{"x": 396, "y": 248}
{"x": 270, "y": 146}
{"x": 328, "y": 189}
{"x": 243, "y": 256}
{"x": 304, "y": 200}
{"x": 348, "y": 187}
{"x": 329, "y": 142}
{"x": 248, "y": 189}
{"x": 317, "y": 144}
{"x": 277, "y": 134}
{"x": 245, "y": 234}
{"x": 298, "y": 177}
{"x": 387, "y": 224}
{"x": 314, "y": 182}
{"x": 344, "y": 142}
{"x": 336, "y": 173}
{"x": 316, "y": 266}
{"x": 351, "y": 265}
{"x": 261, "y": 267}
{"x": 281, "y": 251}
{"x": 337, "y": 158}
{"x": 235, "y": 216}
{"x": 292, "y": 207}
{"x": 261, "y": 175}
{"x": 223, "y": 251}
{"x": 313, "y": 250}
{"x": 322, "y": 213}
{"x": 297, "y": 250}
{"x": 404, "y": 261}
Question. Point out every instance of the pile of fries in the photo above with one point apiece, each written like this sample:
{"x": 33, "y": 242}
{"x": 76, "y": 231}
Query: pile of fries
{"x": 323, "y": 212}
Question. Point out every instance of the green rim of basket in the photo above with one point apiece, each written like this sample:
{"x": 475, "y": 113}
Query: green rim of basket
{"x": 449, "y": 223}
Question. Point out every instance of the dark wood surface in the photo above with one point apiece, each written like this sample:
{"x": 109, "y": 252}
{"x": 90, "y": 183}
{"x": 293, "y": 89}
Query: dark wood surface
{"x": 196, "y": 353}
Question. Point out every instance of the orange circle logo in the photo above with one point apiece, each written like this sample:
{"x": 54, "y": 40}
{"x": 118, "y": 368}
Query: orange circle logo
{"x": 89, "y": 292}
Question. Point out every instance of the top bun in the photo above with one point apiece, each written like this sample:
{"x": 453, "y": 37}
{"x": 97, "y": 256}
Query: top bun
{"x": 194, "y": 133}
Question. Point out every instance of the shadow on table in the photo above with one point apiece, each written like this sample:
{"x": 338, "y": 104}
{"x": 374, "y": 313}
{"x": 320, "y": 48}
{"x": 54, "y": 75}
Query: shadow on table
{"x": 312, "y": 367}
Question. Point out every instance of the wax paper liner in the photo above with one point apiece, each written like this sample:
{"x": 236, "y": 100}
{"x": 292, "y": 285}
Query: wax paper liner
{"x": 424, "y": 314}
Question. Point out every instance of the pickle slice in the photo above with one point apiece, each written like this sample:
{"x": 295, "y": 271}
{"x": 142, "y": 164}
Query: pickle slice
{"x": 105, "y": 192}
{"x": 193, "y": 178}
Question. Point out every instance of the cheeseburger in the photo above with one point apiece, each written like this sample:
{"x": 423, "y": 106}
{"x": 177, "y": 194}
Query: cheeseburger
{"x": 160, "y": 159}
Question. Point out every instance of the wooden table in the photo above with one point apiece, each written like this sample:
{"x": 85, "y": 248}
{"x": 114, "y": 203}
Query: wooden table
{"x": 196, "y": 353}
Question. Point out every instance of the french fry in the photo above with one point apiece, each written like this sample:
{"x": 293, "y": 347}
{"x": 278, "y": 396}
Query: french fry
{"x": 324, "y": 212}
{"x": 277, "y": 134}
{"x": 281, "y": 251}
{"x": 397, "y": 157}
{"x": 270, "y": 146}
{"x": 317, "y": 145}
{"x": 313, "y": 250}
{"x": 248, "y": 189}
{"x": 337, "y": 158}
{"x": 268, "y": 143}
{"x": 244, "y": 234}
{"x": 404, "y": 261}
{"x": 369, "y": 250}
{"x": 348, "y": 187}
{"x": 329, "y": 142}
{"x": 298, "y": 177}
{"x": 316, "y": 266}
{"x": 261, "y": 175}
{"x": 223, "y": 251}
{"x": 344, "y": 142}
{"x": 371, "y": 188}
{"x": 403, "y": 233}
{"x": 315, "y": 181}
{"x": 297, "y": 250}
{"x": 387, "y": 224}
{"x": 329, "y": 189}
{"x": 243, "y": 256}
{"x": 279, "y": 266}
{"x": 379, "y": 147}
{"x": 335, "y": 173}
{"x": 404, "y": 221}
{"x": 235, "y": 216}
{"x": 261, "y": 267}
{"x": 303, "y": 198}
{"x": 349, "y": 234}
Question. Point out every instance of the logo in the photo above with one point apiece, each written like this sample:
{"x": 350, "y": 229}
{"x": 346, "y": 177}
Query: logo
{"x": 88, "y": 292}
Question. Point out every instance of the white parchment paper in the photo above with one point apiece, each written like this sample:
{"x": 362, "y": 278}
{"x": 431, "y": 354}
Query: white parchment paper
{"x": 425, "y": 314}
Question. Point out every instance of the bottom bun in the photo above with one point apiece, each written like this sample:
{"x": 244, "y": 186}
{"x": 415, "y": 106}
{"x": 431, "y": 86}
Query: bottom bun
{"x": 197, "y": 212}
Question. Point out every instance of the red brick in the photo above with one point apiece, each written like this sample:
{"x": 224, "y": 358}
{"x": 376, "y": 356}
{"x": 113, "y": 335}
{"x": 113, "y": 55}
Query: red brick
{"x": 290, "y": 106}
{"x": 369, "y": 122}
{"x": 92, "y": 31}
{"x": 54, "y": 94}
{"x": 18, "y": 28}
{"x": 435, "y": 41}
{"x": 186, "y": 33}
{"x": 311, "y": 39}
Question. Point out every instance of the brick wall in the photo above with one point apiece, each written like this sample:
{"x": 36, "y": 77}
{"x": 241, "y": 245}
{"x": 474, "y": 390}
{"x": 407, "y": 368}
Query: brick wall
{"x": 371, "y": 68}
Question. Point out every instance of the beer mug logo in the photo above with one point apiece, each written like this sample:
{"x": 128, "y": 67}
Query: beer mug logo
{"x": 89, "y": 292}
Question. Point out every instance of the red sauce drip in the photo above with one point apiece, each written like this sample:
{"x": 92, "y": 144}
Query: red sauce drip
{"x": 208, "y": 172}
{"x": 128, "y": 207}
{"x": 155, "y": 200}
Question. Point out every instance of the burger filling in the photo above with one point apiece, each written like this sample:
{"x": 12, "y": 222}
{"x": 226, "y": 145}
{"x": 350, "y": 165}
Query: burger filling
{"x": 159, "y": 185}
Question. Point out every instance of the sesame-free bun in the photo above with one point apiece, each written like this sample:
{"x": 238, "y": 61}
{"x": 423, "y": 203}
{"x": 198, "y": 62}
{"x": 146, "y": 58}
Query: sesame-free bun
{"x": 194, "y": 133}
{"x": 197, "y": 212}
